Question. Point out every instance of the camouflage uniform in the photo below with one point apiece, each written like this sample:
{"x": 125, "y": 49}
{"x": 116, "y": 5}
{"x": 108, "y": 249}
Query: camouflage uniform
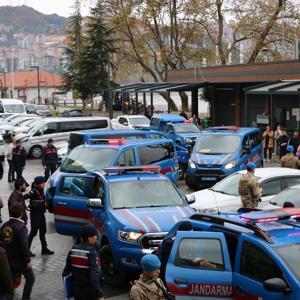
{"x": 290, "y": 161}
{"x": 250, "y": 191}
{"x": 147, "y": 289}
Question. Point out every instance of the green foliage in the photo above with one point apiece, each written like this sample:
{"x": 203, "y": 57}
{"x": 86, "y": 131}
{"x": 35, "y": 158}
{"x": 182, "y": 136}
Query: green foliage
{"x": 88, "y": 55}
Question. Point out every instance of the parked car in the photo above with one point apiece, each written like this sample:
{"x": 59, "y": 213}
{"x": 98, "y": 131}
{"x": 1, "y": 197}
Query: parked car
{"x": 25, "y": 125}
{"x": 224, "y": 196}
{"x": 130, "y": 122}
{"x": 221, "y": 151}
{"x": 72, "y": 113}
{"x": 230, "y": 256}
{"x": 58, "y": 129}
{"x": 42, "y": 110}
{"x": 290, "y": 194}
{"x": 29, "y": 108}
{"x": 14, "y": 106}
{"x": 132, "y": 207}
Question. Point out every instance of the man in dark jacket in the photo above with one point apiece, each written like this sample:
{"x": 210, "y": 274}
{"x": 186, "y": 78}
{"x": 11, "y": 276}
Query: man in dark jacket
{"x": 19, "y": 159}
{"x": 17, "y": 197}
{"x": 6, "y": 286}
{"x": 83, "y": 263}
{"x": 283, "y": 142}
{"x": 49, "y": 159}
{"x": 37, "y": 214}
{"x": 14, "y": 235}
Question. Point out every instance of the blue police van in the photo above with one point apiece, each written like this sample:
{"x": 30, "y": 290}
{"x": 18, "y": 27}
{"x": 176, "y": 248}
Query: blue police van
{"x": 250, "y": 256}
{"x": 101, "y": 153}
{"x": 81, "y": 137}
{"x": 133, "y": 209}
{"x": 221, "y": 151}
{"x": 181, "y": 131}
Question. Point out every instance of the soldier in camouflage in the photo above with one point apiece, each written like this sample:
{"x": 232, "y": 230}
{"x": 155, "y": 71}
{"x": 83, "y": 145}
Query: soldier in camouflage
{"x": 289, "y": 160}
{"x": 149, "y": 286}
{"x": 249, "y": 188}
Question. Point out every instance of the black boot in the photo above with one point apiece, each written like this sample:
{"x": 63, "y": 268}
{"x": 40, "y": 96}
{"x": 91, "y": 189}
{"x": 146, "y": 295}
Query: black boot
{"x": 46, "y": 251}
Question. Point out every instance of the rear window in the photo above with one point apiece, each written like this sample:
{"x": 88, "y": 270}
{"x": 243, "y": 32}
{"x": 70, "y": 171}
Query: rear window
{"x": 152, "y": 154}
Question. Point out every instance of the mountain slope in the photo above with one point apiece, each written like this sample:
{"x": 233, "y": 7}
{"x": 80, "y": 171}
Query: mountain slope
{"x": 25, "y": 19}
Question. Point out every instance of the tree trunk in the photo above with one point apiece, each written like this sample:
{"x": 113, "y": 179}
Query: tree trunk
{"x": 172, "y": 103}
{"x": 184, "y": 101}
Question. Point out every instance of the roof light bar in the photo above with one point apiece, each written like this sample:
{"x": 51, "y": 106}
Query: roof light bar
{"x": 234, "y": 128}
{"x": 111, "y": 170}
{"x": 108, "y": 141}
{"x": 187, "y": 121}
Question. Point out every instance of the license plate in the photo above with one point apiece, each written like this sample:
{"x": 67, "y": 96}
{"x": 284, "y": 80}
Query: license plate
{"x": 209, "y": 178}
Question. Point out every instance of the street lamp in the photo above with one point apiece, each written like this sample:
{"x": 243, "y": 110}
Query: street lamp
{"x": 38, "y": 81}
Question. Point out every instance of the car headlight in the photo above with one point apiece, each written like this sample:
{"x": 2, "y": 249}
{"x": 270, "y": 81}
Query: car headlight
{"x": 131, "y": 237}
{"x": 192, "y": 164}
{"x": 188, "y": 140}
{"x": 231, "y": 165}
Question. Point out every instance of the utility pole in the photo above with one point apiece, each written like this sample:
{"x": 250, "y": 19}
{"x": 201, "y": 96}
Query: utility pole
{"x": 38, "y": 82}
{"x": 109, "y": 98}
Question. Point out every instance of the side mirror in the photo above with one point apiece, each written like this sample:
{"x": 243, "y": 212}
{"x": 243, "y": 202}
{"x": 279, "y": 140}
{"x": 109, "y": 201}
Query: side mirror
{"x": 94, "y": 203}
{"x": 276, "y": 285}
{"x": 125, "y": 124}
{"x": 191, "y": 199}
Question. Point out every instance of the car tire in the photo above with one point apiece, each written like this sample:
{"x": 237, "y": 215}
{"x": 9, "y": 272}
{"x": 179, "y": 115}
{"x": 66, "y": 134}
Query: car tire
{"x": 182, "y": 171}
{"x": 36, "y": 152}
{"x": 190, "y": 184}
{"x": 112, "y": 275}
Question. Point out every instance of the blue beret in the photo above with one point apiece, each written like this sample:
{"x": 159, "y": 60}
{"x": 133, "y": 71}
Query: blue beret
{"x": 87, "y": 231}
{"x": 150, "y": 262}
{"x": 39, "y": 179}
{"x": 251, "y": 165}
{"x": 290, "y": 148}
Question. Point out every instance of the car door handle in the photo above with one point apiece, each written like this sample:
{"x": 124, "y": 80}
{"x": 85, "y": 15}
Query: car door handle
{"x": 180, "y": 281}
{"x": 62, "y": 203}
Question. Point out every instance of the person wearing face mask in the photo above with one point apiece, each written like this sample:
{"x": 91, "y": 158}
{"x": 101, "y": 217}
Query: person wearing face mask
{"x": 19, "y": 159}
{"x": 17, "y": 197}
{"x": 149, "y": 286}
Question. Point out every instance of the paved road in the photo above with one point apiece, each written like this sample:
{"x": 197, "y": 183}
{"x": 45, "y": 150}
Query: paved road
{"x": 48, "y": 285}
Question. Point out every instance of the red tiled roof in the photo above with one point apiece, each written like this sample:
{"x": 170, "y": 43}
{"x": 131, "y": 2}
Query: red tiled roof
{"x": 28, "y": 79}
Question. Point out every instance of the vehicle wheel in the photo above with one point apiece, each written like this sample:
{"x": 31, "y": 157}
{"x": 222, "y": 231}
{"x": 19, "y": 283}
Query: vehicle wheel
{"x": 182, "y": 171}
{"x": 112, "y": 275}
{"x": 36, "y": 152}
{"x": 190, "y": 184}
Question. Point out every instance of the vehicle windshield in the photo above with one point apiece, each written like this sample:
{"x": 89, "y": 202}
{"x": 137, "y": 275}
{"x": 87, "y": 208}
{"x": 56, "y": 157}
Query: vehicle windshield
{"x": 82, "y": 160}
{"x": 212, "y": 144}
{"x": 17, "y": 120}
{"x": 185, "y": 128}
{"x": 35, "y": 127}
{"x": 14, "y": 108}
{"x": 291, "y": 256}
{"x": 292, "y": 195}
{"x": 41, "y": 107}
{"x": 29, "y": 122}
{"x": 139, "y": 121}
{"x": 143, "y": 193}
{"x": 229, "y": 185}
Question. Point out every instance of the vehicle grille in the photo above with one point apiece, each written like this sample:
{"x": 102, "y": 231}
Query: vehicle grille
{"x": 210, "y": 166}
{"x": 209, "y": 172}
{"x": 152, "y": 240}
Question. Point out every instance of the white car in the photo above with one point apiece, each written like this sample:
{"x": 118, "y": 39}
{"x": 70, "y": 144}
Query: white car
{"x": 25, "y": 125}
{"x": 130, "y": 122}
{"x": 224, "y": 195}
{"x": 291, "y": 195}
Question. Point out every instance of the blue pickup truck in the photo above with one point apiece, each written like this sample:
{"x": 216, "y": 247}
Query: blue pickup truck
{"x": 181, "y": 131}
{"x": 248, "y": 256}
{"x": 133, "y": 209}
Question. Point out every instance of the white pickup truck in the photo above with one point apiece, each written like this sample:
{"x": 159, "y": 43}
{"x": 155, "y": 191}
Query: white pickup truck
{"x": 130, "y": 122}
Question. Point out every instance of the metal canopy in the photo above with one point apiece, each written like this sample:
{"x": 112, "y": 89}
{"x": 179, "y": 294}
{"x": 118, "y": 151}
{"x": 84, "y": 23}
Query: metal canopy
{"x": 156, "y": 87}
{"x": 279, "y": 87}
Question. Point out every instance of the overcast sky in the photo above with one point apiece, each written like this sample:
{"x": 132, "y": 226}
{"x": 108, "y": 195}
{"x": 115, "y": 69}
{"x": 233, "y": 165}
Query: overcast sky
{"x": 60, "y": 7}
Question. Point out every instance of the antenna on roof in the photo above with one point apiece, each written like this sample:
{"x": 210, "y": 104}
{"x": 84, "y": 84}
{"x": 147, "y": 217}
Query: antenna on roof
{"x": 216, "y": 202}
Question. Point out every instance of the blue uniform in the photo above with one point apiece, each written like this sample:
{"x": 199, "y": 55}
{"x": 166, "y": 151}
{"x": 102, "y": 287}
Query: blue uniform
{"x": 83, "y": 263}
